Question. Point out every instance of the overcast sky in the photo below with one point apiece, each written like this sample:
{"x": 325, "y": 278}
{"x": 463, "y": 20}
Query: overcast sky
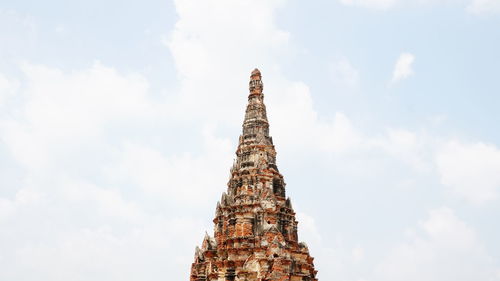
{"x": 119, "y": 121}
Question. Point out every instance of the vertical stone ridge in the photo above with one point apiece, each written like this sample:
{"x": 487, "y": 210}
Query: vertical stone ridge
{"x": 255, "y": 230}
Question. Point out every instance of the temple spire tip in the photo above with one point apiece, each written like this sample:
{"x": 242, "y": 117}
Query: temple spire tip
{"x": 256, "y": 71}
{"x": 256, "y": 85}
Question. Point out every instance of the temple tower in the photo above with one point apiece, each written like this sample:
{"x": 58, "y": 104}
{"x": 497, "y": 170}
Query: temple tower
{"x": 255, "y": 230}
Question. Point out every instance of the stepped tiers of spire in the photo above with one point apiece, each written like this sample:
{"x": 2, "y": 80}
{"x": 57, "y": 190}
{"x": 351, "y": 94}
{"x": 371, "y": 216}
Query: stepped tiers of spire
{"x": 255, "y": 236}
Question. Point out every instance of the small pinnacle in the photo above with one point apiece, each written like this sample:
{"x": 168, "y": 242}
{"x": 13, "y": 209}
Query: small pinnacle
{"x": 256, "y": 85}
{"x": 256, "y": 72}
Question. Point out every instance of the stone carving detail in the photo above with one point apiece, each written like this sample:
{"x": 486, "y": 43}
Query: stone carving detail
{"x": 255, "y": 230}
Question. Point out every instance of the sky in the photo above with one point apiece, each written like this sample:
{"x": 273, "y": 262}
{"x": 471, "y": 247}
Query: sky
{"x": 119, "y": 121}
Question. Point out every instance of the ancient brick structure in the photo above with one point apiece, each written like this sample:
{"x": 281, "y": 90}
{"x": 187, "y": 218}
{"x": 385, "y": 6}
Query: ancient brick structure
{"x": 255, "y": 236}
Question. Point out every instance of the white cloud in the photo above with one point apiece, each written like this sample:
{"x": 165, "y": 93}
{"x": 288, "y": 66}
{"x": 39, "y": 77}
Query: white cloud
{"x": 91, "y": 168}
{"x": 344, "y": 75}
{"x": 371, "y": 4}
{"x": 332, "y": 135}
{"x": 184, "y": 178}
{"x": 484, "y": 7}
{"x": 23, "y": 197}
{"x": 308, "y": 231}
{"x": 6, "y": 208}
{"x": 215, "y": 45}
{"x": 70, "y": 216}
{"x": 106, "y": 190}
{"x": 471, "y": 171}
{"x": 106, "y": 201}
{"x": 358, "y": 253}
{"x": 8, "y": 88}
{"x": 409, "y": 147}
{"x": 446, "y": 249}
{"x": 61, "y": 29}
{"x": 403, "y": 68}
{"x": 339, "y": 135}
{"x": 71, "y": 114}
{"x": 104, "y": 253}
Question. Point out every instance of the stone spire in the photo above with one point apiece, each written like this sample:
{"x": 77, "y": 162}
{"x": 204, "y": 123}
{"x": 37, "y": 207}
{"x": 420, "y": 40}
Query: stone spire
{"x": 255, "y": 149}
{"x": 255, "y": 232}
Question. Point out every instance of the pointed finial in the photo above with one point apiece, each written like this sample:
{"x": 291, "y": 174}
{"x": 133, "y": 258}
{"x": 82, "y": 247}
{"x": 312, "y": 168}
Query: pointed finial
{"x": 256, "y": 85}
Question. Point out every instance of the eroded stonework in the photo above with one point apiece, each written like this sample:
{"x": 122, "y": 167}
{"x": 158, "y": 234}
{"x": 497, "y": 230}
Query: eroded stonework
{"x": 255, "y": 236}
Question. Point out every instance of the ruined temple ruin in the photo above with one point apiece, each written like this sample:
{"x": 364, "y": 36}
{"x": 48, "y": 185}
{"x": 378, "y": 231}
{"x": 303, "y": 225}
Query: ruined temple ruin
{"x": 255, "y": 235}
